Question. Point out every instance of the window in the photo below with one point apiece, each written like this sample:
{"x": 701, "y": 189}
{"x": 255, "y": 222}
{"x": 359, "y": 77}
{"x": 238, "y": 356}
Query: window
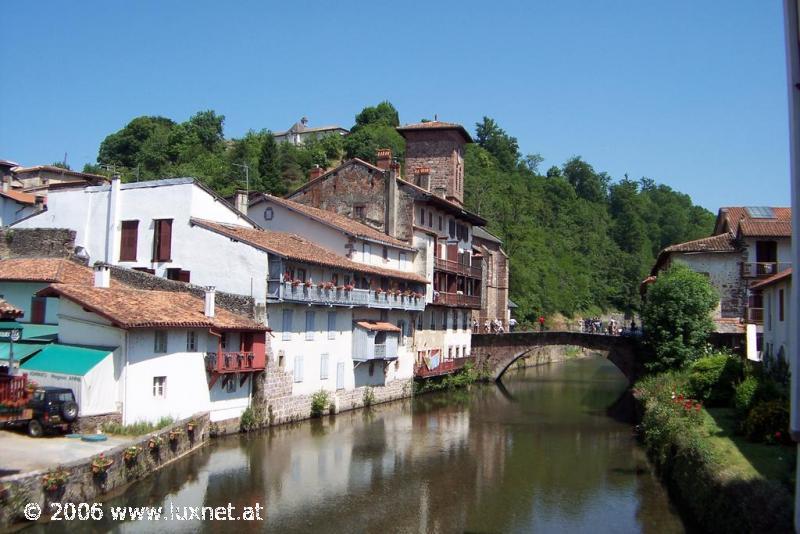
{"x": 160, "y": 387}
{"x": 433, "y": 320}
{"x": 402, "y": 338}
{"x": 223, "y": 340}
{"x": 458, "y": 352}
{"x": 298, "y": 368}
{"x": 449, "y": 353}
{"x": 332, "y": 325}
{"x": 419, "y": 321}
{"x": 162, "y": 240}
{"x": 191, "y": 341}
{"x": 366, "y": 252}
{"x": 445, "y": 315}
{"x": 323, "y": 367}
{"x": 287, "y": 325}
{"x": 160, "y": 344}
{"x": 300, "y": 274}
{"x": 441, "y": 225}
{"x": 430, "y": 219}
{"x": 178, "y": 274}
{"x": 386, "y": 253}
{"x": 360, "y": 212}
{"x": 780, "y": 305}
{"x": 230, "y": 386}
{"x": 452, "y": 228}
{"x": 402, "y": 258}
{"x": 309, "y": 326}
{"x": 422, "y": 216}
{"x": 130, "y": 233}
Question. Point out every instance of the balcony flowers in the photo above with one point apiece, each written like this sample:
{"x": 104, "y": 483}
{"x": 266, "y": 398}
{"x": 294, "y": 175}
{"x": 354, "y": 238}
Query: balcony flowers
{"x": 55, "y": 479}
{"x": 348, "y": 287}
{"x": 296, "y": 282}
{"x": 130, "y": 454}
{"x": 309, "y": 283}
{"x": 328, "y": 285}
{"x": 379, "y": 291}
{"x": 100, "y": 464}
{"x": 155, "y": 443}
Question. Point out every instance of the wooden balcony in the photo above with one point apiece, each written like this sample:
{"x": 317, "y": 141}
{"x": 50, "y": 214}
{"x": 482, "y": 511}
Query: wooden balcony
{"x": 456, "y": 300}
{"x": 755, "y": 315}
{"x": 13, "y": 388}
{"x": 762, "y": 269}
{"x": 233, "y": 362}
{"x": 473, "y": 271}
{"x": 445, "y": 367}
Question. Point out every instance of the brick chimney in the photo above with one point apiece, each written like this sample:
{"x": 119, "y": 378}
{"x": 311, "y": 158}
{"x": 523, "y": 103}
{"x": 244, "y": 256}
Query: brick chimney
{"x": 384, "y": 158}
{"x": 315, "y": 173}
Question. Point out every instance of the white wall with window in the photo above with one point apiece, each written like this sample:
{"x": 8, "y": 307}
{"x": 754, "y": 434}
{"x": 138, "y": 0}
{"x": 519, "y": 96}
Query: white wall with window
{"x": 314, "y": 343}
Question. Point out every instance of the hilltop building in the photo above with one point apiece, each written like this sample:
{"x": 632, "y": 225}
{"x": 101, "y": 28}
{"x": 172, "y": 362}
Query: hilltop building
{"x": 301, "y": 131}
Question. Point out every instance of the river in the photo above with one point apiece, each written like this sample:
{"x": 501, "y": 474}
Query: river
{"x": 539, "y": 455}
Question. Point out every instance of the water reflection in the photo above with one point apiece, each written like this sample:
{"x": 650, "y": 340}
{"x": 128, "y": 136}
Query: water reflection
{"x": 541, "y": 456}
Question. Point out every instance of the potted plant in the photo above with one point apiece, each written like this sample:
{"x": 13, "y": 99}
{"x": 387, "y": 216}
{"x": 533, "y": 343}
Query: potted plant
{"x": 309, "y": 283}
{"x": 56, "y": 478}
{"x": 131, "y": 453}
{"x": 295, "y": 283}
{"x": 379, "y": 291}
{"x": 101, "y": 464}
{"x": 348, "y": 287}
{"x": 155, "y": 443}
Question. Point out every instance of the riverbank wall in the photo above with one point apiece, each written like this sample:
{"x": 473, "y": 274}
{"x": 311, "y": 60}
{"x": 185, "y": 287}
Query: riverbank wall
{"x": 710, "y": 494}
{"x": 78, "y": 483}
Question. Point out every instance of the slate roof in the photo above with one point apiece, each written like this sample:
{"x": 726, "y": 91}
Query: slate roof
{"x": 297, "y": 248}
{"x": 58, "y": 270}
{"x": 435, "y": 125}
{"x": 131, "y": 308}
{"x": 481, "y": 233}
{"x": 338, "y": 221}
{"x": 775, "y": 278}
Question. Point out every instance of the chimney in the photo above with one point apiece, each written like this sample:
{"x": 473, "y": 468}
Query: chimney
{"x": 241, "y": 201}
{"x": 384, "y": 158}
{"x": 102, "y": 275}
{"x": 112, "y": 243}
{"x": 211, "y": 293}
{"x": 315, "y": 173}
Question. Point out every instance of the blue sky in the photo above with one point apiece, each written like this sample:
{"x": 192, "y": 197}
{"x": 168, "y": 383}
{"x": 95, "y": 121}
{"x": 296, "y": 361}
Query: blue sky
{"x": 691, "y": 94}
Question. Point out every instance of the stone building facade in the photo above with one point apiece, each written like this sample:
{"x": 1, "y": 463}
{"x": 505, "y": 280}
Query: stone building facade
{"x": 494, "y": 300}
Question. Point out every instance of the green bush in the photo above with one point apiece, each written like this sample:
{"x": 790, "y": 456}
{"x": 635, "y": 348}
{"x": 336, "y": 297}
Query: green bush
{"x": 369, "y": 397}
{"x": 744, "y": 395}
{"x": 138, "y": 428}
{"x": 712, "y": 378}
{"x": 768, "y": 421}
{"x": 249, "y": 420}
{"x": 319, "y": 402}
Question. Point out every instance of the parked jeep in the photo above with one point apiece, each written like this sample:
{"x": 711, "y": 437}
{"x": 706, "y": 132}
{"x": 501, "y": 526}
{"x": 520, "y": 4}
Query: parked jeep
{"x": 49, "y": 409}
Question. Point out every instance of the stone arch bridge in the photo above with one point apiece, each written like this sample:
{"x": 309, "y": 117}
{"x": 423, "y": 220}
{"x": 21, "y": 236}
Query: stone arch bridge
{"x": 496, "y": 352}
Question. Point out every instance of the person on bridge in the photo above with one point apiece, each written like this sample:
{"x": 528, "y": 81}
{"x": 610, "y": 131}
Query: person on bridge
{"x": 541, "y": 323}
{"x": 512, "y": 324}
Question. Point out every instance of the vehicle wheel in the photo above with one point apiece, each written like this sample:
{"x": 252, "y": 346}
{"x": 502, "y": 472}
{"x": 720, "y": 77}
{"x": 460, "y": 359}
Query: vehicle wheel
{"x": 69, "y": 411}
{"x": 35, "y": 429}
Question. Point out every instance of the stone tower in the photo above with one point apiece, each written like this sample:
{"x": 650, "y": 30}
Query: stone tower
{"x": 435, "y": 157}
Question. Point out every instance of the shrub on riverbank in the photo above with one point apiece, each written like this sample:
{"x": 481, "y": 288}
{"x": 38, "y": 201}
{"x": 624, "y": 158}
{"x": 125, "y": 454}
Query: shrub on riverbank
{"x": 719, "y": 487}
{"x": 463, "y": 377}
{"x": 712, "y": 378}
{"x": 320, "y": 401}
{"x": 138, "y": 428}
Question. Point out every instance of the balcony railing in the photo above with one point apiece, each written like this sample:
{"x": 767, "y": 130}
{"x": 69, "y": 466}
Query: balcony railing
{"x": 473, "y": 271}
{"x": 340, "y": 297}
{"x": 456, "y": 299}
{"x": 759, "y": 269}
{"x": 13, "y": 388}
{"x": 422, "y": 370}
{"x": 232, "y": 362}
{"x": 380, "y": 351}
{"x": 755, "y": 315}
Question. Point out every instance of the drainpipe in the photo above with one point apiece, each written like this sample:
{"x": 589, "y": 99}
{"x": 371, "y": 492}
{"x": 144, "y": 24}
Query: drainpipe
{"x": 113, "y": 221}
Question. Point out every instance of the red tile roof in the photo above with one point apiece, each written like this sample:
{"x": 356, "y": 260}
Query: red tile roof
{"x": 130, "y": 308}
{"x": 715, "y": 243}
{"x": 297, "y": 248}
{"x": 340, "y": 222}
{"x": 58, "y": 270}
{"x": 18, "y": 196}
{"x": 9, "y": 311}
{"x": 737, "y": 220}
{"x": 378, "y": 326}
{"x": 435, "y": 125}
{"x": 775, "y": 278}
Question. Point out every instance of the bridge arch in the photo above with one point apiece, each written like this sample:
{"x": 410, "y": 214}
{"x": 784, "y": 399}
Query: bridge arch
{"x": 497, "y": 352}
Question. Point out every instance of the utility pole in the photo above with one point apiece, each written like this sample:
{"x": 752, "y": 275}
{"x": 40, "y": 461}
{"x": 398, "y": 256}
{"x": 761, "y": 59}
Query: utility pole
{"x": 246, "y": 168}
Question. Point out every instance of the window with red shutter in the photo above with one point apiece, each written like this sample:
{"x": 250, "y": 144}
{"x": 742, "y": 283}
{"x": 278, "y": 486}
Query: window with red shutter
{"x": 162, "y": 240}
{"x": 130, "y": 235}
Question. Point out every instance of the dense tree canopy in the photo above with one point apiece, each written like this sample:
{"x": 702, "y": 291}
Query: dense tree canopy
{"x": 577, "y": 241}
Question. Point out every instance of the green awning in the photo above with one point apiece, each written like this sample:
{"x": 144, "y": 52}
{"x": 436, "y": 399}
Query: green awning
{"x": 21, "y": 350}
{"x": 37, "y": 332}
{"x": 66, "y": 359}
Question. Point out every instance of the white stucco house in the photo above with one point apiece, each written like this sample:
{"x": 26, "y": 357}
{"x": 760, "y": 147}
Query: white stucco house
{"x": 16, "y": 205}
{"x": 173, "y": 354}
{"x": 146, "y": 226}
{"x": 776, "y": 295}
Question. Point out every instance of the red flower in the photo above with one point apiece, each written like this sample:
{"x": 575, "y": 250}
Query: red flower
{"x": 777, "y": 435}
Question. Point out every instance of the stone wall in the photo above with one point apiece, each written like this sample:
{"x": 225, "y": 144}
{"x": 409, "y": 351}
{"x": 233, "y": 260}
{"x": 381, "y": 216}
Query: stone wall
{"x": 36, "y": 243}
{"x": 92, "y": 423}
{"x": 84, "y": 486}
{"x": 440, "y": 152}
{"x": 235, "y": 303}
